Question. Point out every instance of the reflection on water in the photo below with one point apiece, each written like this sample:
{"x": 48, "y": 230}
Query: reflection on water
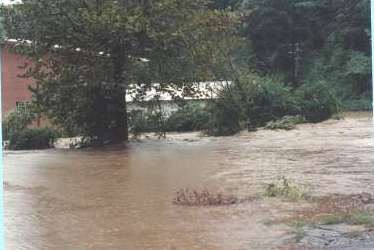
{"x": 121, "y": 198}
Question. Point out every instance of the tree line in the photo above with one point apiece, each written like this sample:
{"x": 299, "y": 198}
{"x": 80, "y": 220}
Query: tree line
{"x": 282, "y": 56}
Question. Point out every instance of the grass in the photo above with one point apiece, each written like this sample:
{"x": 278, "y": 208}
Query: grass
{"x": 285, "y": 123}
{"x": 286, "y": 189}
{"x": 358, "y": 217}
{"x": 361, "y": 218}
{"x": 364, "y": 218}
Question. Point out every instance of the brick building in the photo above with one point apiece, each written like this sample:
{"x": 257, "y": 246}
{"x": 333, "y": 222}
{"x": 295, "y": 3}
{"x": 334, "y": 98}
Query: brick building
{"x": 15, "y": 89}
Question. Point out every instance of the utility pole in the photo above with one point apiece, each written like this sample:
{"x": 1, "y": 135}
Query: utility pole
{"x": 295, "y": 52}
{"x": 295, "y": 48}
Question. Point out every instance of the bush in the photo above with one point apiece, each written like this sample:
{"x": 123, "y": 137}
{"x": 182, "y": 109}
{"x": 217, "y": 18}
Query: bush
{"x": 137, "y": 122}
{"x": 16, "y": 121}
{"x": 144, "y": 122}
{"x": 272, "y": 100}
{"x": 226, "y": 113}
{"x": 38, "y": 138}
{"x": 284, "y": 188}
{"x": 186, "y": 197}
{"x": 190, "y": 117}
{"x": 317, "y": 101}
{"x": 251, "y": 102}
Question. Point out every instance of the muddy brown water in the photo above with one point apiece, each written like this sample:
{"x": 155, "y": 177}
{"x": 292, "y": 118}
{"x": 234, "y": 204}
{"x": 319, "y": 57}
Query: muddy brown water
{"x": 121, "y": 198}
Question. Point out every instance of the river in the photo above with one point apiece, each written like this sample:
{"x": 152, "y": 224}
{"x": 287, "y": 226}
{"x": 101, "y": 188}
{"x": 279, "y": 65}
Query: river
{"x": 121, "y": 197}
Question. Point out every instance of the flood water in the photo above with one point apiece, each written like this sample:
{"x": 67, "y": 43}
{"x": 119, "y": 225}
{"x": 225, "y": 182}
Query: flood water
{"x": 121, "y": 198}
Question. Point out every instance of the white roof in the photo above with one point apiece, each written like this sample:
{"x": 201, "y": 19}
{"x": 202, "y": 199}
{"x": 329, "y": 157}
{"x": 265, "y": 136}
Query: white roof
{"x": 200, "y": 91}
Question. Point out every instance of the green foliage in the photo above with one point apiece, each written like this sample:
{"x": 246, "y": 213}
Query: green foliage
{"x": 286, "y": 122}
{"x": 361, "y": 104}
{"x": 191, "y": 117}
{"x": 317, "y": 101}
{"x": 2, "y": 31}
{"x": 15, "y": 122}
{"x": 253, "y": 101}
{"x": 102, "y": 49}
{"x": 36, "y": 138}
{"x": 312, "y": 41}
{"x": 146, "y": 121}
{"x": 226, "y": 113}
{"x": 284, "y": 188}
{"x": 353, "y": 217}
{"x": 272, "y": 100}
{"x": 138, "y": 122}
{"x": 15, "y": 129}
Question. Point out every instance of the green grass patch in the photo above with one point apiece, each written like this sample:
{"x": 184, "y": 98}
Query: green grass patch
{"x": 364, "y": 218}
{"x": 358, "y": 217}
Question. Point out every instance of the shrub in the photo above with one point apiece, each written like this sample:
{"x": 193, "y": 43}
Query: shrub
{"x": 251, "y": 102}
{"x": 16, "y": 121}
{"x": 190, "y": 117}
{"x": 225, "y": 113}
{"x": 188, "y": 197}
{"x": 137, "y": 122}
{"x": 317, "y": 101}
{"x": 284, "y": 188}
{"x": 272, "y": 100}
{"x": 37, "y": 138}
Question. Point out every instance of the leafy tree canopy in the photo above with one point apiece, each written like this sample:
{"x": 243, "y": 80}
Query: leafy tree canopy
{"x": 88, "y": 54}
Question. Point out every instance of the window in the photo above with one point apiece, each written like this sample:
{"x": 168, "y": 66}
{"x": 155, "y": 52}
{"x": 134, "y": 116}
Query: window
{"x": 23, "y": 107}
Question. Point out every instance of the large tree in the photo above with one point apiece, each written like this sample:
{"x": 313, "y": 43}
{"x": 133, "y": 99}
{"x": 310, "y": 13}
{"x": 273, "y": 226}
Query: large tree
{"x": 88, "y": 54}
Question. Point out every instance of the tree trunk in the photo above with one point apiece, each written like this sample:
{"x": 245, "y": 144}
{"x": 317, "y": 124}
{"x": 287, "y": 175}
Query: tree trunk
{"x": 120, "y": 132}
{"x": 123, "y": 129}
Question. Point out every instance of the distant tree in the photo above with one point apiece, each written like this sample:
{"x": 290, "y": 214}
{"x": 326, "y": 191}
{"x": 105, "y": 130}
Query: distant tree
{"x": 15, "y": 21}
{"x": 2, "y": 30}
{"x": 88, "y": 54}
{"x": 288, "y": 36}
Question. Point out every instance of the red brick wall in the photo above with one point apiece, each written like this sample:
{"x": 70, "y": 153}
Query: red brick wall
{"x": 14, "y": 88}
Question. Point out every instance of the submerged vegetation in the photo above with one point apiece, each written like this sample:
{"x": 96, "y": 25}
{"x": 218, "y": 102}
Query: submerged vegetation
{"x": 286, "y": 123}
{"x": 286, "y": 189}
{"x": 187, "y": 197}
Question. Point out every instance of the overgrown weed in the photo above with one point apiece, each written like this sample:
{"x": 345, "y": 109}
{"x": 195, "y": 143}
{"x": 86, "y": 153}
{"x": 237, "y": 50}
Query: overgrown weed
{"x": 284, "y": 188}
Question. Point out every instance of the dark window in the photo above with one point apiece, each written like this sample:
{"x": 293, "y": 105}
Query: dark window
{"x": 23, "y": 107}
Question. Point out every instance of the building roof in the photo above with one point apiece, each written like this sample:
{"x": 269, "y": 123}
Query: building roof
{"x": 195, "y": 91}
